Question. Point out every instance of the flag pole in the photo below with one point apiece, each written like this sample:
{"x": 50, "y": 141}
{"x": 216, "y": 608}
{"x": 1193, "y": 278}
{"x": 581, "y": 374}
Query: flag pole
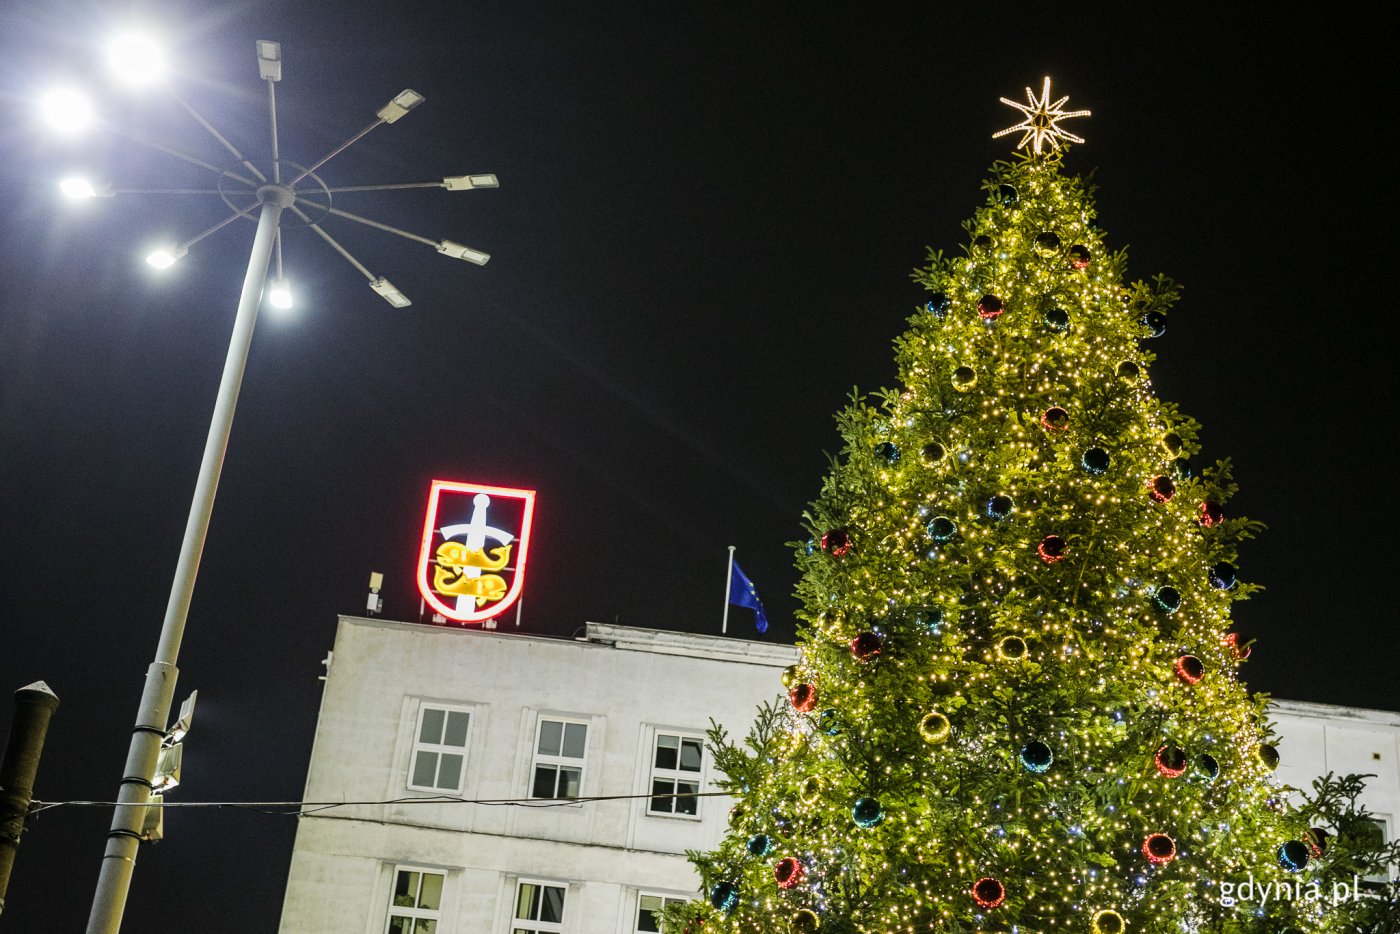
{"x": 728, "y": 582}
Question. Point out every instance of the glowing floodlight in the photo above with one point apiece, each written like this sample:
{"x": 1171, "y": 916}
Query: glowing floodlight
{"x": 280, "y": 294}
{"x": 80, "y": 189}
{"x": 67, "y": 110}
{"x": 165, "y": 257}
{"x": 135, "y": 59}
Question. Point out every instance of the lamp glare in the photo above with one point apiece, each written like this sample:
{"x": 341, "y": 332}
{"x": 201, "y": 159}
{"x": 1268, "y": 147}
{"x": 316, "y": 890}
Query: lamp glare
{"x": 165, "y": 257}
{"x": 77, "y": 188}
{"x": 280, "y": 295}
{"x": 67, "y": 110}
{"x": 135, "y": 59}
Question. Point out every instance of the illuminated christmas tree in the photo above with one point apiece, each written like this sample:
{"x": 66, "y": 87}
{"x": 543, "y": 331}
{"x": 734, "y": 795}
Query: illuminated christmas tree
{"x": 1018, "y": 706}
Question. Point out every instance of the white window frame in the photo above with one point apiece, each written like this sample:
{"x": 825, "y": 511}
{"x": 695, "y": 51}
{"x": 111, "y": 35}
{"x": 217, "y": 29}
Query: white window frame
{"x": 416, "y": 745}
{"x": 635, "y": 925}
{"x": 676, "y": 775}
{"x": 559, "y": 761}
{"x": 415, "y": 914}
{"x": 516, "y": 925}
{"x": 1386, "y": 823}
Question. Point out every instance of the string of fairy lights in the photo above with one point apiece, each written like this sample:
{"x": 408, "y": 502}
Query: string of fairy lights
{"x": 1018, "y": 704}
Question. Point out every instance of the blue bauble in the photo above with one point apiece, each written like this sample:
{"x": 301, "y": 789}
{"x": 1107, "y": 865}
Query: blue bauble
{"x": 938, "y": 304}
{"x": 1094, "y": 461}
{"x": 1207, "y": 768}
{"x": 941, "y": 528}
{"x": 1293, "y": 855}
{"x": 760, "y": 844}
{"x": 724, "y": 896}
{"x": 1000, "y": 506}
{"x": 1222, "y": 576}
{"x": 829, "y": 722}
{"x": 1007, "y": 195}
{"x": 1057, "y": 319}
{"x": 930, "y": 618}
{"x": 887, "y": 452}
{"x": 867, "y": 812}
{"x": 1155, "y": 322}
{"x": 1167, "y": 599}
{"x": 1036, "y": 756}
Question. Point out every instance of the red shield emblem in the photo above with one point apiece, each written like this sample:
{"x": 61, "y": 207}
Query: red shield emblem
{"x": 475, "y": 544}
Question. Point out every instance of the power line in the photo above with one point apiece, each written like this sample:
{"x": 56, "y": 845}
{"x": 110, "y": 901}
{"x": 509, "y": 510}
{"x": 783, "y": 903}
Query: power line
{"x": 296, "y": 808}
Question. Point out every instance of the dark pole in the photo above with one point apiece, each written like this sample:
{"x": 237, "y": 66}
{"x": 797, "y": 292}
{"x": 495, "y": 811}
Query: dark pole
{"x": 34, "y": 705}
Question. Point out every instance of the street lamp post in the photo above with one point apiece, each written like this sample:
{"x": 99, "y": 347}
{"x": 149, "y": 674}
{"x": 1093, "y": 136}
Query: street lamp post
{"x": 274, "y": 197}
{"x": 158, "y": 694}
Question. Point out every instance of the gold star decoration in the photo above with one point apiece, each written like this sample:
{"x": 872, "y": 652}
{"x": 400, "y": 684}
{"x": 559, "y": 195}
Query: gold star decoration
{"x": 1041, "y": 123}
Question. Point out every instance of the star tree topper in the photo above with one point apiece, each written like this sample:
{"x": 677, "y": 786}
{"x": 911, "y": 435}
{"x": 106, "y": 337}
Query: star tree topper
{"x": 1041, "y": 123}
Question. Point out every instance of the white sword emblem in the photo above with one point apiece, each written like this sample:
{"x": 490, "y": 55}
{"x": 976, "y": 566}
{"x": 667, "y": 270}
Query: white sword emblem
{"x": 476, "y": 532}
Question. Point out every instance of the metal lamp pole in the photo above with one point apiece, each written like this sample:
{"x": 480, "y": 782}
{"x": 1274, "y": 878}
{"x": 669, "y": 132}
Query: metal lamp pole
{"x": 119, "y": 860}
{"x": 272, "y": 192}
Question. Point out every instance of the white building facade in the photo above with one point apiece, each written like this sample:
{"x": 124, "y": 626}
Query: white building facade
{"x": 1319, "y": 738}
{"x": 414, "y": 712}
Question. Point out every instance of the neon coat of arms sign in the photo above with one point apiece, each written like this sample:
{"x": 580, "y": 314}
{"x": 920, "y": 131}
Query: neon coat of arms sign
{"x": 476, "y": 538}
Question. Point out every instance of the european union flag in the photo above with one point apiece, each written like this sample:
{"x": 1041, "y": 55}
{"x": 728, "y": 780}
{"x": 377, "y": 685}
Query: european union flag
{"x": 742, "y": 593}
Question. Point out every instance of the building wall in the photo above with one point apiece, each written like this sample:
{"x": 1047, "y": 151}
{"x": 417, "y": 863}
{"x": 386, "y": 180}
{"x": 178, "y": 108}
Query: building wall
{"x": 1319, "y": 738}
{"x": 625, "y": 684}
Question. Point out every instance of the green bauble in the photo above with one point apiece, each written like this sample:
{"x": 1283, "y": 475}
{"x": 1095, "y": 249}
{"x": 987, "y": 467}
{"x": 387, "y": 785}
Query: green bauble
{"x": 934, "y": 727}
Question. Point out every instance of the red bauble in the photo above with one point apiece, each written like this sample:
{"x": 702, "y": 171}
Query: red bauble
{"x": 803, "y": 697}
{"x": 1159, "y": 848}
{"x": 1171, "y": 761}
{"x": 988, "y": 892}
{"x": 1190, "y": 669}
{"x": 1162, "y": 488}
{"x": 1210, "y": 514}
{"x": 1055, "y": 418}
{"x": 836, "y": 542}
{"x": 1238, "y": 652}
{"x": 788, "y": 872}
{"x": 1051, "y": 549}
{"x": 990, "y": 307}
{"x": 867, "y": 645}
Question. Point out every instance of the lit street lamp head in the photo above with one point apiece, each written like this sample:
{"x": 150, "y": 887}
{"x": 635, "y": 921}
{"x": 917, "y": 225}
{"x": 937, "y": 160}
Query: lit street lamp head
{"x": 279, "y": 295}
{"x": 79, "y": 188}
{"x": 165, "y": 257}
{"x": 136, "y": 60}
{"x": 67, "y": 110}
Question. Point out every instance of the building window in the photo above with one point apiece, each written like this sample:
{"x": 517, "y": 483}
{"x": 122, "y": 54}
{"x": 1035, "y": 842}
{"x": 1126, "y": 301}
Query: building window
{"x": 416, "y": 905}
{"x": 649, "y": 910}
{"x": 675, "y": 770}
{"x": 439, "y": 750}
{"x": 1379, "y": 838}
{"x": 559, "y": 749}
{"x": 539, "y": 908}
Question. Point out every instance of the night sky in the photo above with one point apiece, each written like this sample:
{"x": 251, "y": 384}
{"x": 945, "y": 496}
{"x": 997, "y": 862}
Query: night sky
{"x": 702, "y": 241}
